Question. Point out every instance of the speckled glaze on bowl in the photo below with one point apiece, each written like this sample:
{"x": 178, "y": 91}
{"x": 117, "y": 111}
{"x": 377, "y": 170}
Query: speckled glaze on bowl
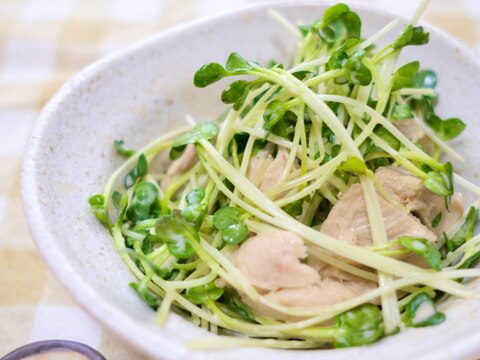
{"x": 145, "y": 90}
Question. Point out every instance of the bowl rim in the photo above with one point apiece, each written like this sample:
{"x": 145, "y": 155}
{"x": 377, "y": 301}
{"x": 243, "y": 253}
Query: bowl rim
{"x": 59, "y": 264}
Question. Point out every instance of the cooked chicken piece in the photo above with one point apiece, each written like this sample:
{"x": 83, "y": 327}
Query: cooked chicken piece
{"x": 412, "y": 131}
{"x": 322, "y": 294}
{"x": 258, "y": 166}
{"x": 274, "y": 170}
{"x": 179, "y": 166}
{"x": 348, "y": 220}
{"x": 264, "y": 171}
{"x": 271, "y": 261}
{"x": 326, "y": 292}
{"x": 328, "y": 271}
{"x": 420, "y": 201}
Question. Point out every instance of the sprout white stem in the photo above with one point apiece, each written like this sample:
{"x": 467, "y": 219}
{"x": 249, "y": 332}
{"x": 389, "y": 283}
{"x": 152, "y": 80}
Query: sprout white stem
{"x": 275, "y": 15}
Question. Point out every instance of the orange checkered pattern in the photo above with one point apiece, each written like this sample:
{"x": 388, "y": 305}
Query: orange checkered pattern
{"x": 42, "y": 44}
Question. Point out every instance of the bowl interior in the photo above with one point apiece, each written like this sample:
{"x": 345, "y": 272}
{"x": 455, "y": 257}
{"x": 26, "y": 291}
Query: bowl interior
{"x": 142, "y": 92}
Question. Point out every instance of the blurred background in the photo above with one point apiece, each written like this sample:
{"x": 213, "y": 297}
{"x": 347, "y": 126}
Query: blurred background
{"x": 42, "y": 44}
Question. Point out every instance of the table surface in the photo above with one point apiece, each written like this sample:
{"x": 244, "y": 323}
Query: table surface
{"x": 42, "y": 44}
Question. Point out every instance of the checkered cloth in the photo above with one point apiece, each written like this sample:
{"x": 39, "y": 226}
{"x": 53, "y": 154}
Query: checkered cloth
{"x": 42, "y": 44}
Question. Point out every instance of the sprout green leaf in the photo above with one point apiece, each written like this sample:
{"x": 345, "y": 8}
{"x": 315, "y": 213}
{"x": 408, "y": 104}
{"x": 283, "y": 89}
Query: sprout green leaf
{"x": 359, "y": 326}
{"x": 144, "y": 201}
{"x": 353, "y": 165}
{"x": 338, "y": 24}
{"x": 98, "y": 205}
{"x": 209, "y": 74}
{"x": 436, "y": 183}
{"x": 303, "y": 75}
{"x": 207, "y": 131}
{"x": 466, "y": 230}
{"x": 145, "y": 294}
{"x": 422, "y": 247}
{"x": 139, "y": 171}
{"x": 356, "y": 72}
{"x": 334, "y": 12}
{"x": 421, "y": 312}
{"x": 471, "y": 261}
{"x": 213, "y": 72}
{"x": 337, "y": 60}
{"x": 147, "y": 246}
{"x": 237, "y": 63}
{"x": 228, "y": 220}
{"x": 349, "y": 43}
{"x": 441, "y": 182}
{"x": 404, "y": 75}
{"x": 233, "y": 306}
{"x": 273, "y": 113}
{"x": 204, "y": 293}
{"x": 411, "y": 36}
{"x": 424, "y": 79}
{"x": 445, "y": 129}
{"x": 304, "y": 29}
{"x": 238, "y": 142}
{"x": 119, "y": 146}
{"x": 179, "y": 235}
{"x": 387, "y": 137}
{"x": 197, "y": 207}
{"x": 176, "y": 152}
{"x": 116, "y": 200}
{"x": 285, "y": 127}
{"x": 401, "y": 112}
{"x": 121, "y": 203}
{"x": 436, "y": 220}
{"x": 295, "y": 208}
{"x": 236, "y": 93}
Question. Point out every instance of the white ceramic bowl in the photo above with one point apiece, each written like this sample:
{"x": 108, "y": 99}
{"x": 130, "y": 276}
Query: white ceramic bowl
{"x": 146, "y": 89}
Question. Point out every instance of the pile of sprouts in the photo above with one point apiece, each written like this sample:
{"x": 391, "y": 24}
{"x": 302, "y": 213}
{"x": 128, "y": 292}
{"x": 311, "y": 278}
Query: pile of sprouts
{"x": 334, "y": 111}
